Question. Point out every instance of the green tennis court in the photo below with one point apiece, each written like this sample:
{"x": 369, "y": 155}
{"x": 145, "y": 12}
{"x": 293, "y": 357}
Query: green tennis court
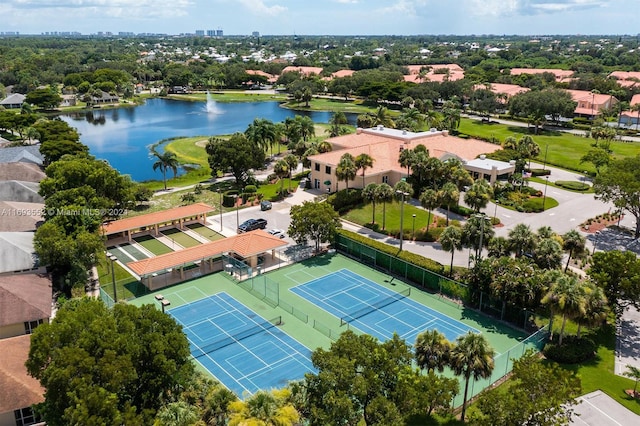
{"x": 132, "y": 251}
{"x": 180, "y": 237}
{"x": 205, "y": 231}
{"x": 153, "y": 245}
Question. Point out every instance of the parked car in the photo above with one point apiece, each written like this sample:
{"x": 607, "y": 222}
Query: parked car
{"x": 252, "y": 225}
{"x": 265, "y": 205}
{"x": 277, "y": 233}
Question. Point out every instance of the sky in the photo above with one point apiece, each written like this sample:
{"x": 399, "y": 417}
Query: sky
{"x": 324, "y": 17}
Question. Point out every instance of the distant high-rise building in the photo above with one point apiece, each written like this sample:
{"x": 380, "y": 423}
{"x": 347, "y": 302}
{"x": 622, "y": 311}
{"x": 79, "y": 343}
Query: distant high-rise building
{"x": 200, "y": 33}
{"x": 256, "y": 34}
{"x": 219, "y": 33}
{"x": 211, "y": 33}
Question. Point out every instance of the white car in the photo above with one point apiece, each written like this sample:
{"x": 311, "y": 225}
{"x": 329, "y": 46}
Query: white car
{"x": 277, "y": 233}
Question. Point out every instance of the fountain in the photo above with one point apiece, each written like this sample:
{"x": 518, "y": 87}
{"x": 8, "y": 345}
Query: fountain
{"x": 211, "y": 105}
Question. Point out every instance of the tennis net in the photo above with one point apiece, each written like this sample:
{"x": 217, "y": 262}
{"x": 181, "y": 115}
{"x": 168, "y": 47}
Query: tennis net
{"x": 237, "y": 337}
{"x": 375, "y": 306}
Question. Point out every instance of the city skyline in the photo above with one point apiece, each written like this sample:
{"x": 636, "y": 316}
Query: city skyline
{"x": 322, "y": 17}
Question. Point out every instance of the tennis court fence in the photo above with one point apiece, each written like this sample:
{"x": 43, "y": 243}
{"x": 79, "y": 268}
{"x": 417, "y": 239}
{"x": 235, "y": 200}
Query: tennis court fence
{"x": 375, "y": 306}
{"x": 231, "y": 339}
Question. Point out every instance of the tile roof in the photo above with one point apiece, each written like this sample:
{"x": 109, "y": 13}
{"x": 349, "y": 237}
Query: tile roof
{"x": 560, "y": 74}
{"x": 633, "y": 76}
{"x": 246, "y": 245}
{"x": 508, "y": 89}
{"x": 26, "y": 192}
{"x": 17, "y": 252}
{"x": 26, "y": 154}
{"x": 302, "y": 70}
{"x": 13, "y": 99}
{"x": 164, "y": 216}
{"x": 20, "y": 217}
{"x": 17, "y": 388}
{"x": 24, "y": 297}
{"x": 635, "y": 100}
{"x": 385, "y": 148}
{"x": 26, "y": 172}
{"x": 342, "y": 73}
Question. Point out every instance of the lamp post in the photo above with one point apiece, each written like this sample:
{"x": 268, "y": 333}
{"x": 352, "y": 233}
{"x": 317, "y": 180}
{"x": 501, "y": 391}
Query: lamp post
{"x": 482, "y": 218}
{"x": 112, "y": 258}
{"x": 220, "y": 194}
{"x": 544, "y": 196}
{"x": 595, "y": 242}
{"x": 413, "y": 228}
{"x": 235, "y": 198}
{"x": 402, "y": 194}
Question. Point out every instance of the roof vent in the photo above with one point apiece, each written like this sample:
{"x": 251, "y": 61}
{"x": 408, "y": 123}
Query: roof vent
{"x": 433, "y": 130}
{"x": 483, "y": 157}
{"x": 381, "y": 127}
{"x": 404, "y": 132}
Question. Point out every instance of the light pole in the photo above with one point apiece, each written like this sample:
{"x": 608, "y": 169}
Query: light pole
{"x": 413, "y": 228}
{"x": 482, "y": 218}
{"x": 595, "y": 242}
{"x": 112, "y": 258}
{"x": 402, "y": 194}
{"x": 220, "y": 193}
{"x": 544, "y": 196}
{"x": 235, "y": 198}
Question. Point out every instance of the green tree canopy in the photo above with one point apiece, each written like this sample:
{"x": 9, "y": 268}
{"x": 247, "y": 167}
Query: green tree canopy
{"x": 107, "y": 366}
{"x": 318, "y": 222}
{"x": 237, "y": 154}
{"x": 618, "y": 274}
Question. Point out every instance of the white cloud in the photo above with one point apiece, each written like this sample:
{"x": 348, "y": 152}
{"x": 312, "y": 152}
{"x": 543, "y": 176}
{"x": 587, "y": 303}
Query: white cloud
{"x": 258, "y": 7}
{"x": 142, "y": 9}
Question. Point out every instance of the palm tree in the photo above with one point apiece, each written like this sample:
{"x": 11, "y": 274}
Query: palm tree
{"x": 406, "y": 159}
{"x": 471, "y": 356}
{"x": 498, "y": 247}
{"x": 346, "y": 169}
{"x": 335, "y": 124}
{"x": 596, "y": 308}
{"x": 177, "y": 414}
{"x": 521, "y": 239}
{"x": 510, "y": 143}
{"x": 382, "y": 117}
{"x": 565, "y": 298}
{"x": 281, "y": 169}
{"x": 432, "y": 350}
{"x": 363, "y": 161}
{"x": 292, "y": 162}
{"x": 384, "y": 193}
{"x": 262, "y": 132}
{"x": 307, "y": 127}
{"x": 323, "y": 147}
{"x": 165, "y": 160}
{"x": 633, "y": 373}
{"x": 478, "y": 195}
{"x": 429, "y": 199}
{"x": 370, "y": 193}
{"x": 572, "y": 242}
{"x": 451, "y": 240}
{"x": 264, "y": 408}
{"x": 548, "y": 254}
{"x": 216, "y": 405}
{"x": 528, "y": 148}
{"x": 449, "y": 195}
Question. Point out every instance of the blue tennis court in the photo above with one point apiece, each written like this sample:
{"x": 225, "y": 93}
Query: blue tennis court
{"x": 375, "y": 310}
{"x": 244, "y": 351}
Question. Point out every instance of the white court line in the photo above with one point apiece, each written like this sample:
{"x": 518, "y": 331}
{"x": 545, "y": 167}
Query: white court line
{"x": 602, "y": 412}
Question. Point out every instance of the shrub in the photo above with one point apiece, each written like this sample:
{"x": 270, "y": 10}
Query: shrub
{"x": 188, "y": 198}
{"x": 229, "y": 198}
{"x": 342, "y": 201}
{"x": 573, "y": 185}
{"x": 198, "y": 189}
{"x": 574, "y": 350}
{"x": 250, "y": 189}
{"x": 533, "y": 205}
{"x": 299, "y": 176}
{"x": 461, "y": 210}
{"x": 455, "y": 290}
{"x": 540, "y": 172}
{"x": 495, "y": 221}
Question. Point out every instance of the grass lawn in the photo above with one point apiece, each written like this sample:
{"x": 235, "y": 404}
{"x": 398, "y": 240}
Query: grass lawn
{"x": 325, "y": 104}
{"x": 126, "y": 284}
{"x": 565, "y": 149}
{"x": 232, "y": 96}
{"x": 153, "y": 245}
{"x": 363, "y": 215}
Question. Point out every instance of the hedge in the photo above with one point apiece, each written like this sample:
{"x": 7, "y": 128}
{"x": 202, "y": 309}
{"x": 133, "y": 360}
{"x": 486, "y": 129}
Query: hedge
{"x": 415, "y": 259}
{"x": 573, "y": 185}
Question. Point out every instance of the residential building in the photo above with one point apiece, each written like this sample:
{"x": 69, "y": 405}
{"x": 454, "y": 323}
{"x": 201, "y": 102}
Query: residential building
{"x": 13, "y": 101}
{"x": 626, "y": 79}
{"x": 384, "y": 145}
{"x": 504, "y": 91}
{"x": 590, "y": 103}
{"x": 561, "y": 76}
{"x": 305, "y": 71}
{"x": 434, "y": 72}
{"x": 25, "y": 303}
{"x": 18, "y": 390}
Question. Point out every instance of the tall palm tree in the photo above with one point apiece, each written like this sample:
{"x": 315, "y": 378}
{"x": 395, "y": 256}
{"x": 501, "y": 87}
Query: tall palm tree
{"x": 548, "y": 254}
{"x": 382, "y": 117}
{"x": 216, "y": 406}
{"x": 177, "y": 414}
{"x": 307, "y": 127}
{"x": 384, "y": 193}
{"x": 566, "y": 298}
{"x": 450, "y": 195}
{"x": 478, "y": 195}
{"x": 346, "y": 169}
{"x": 472, "y": 356}
{"x": 521, "y": 239}
{"x": 370, "y": 193}
{"x": 451, "y": 240}
{"x": 262, "y": 132}
{"x": 281, "y": 169}
{"x": 165, "y": 161}
{"x": 432, "y": 350}
{"x": 572, "y": 242}
{"x": 363, "y": 162}
{"x": 528, "y": 148}
{"x": 596, "y": 307}
{"x": 406, "y": 159}
{"x": 292, "y": 162}
{"x": 429, "y": 199}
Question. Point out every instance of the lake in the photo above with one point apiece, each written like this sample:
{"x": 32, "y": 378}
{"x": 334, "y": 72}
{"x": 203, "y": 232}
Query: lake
{"x": 123, "y": 136}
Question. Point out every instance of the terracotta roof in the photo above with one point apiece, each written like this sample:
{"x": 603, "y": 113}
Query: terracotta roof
{"x": 26, "y": 172}
{"x": 626, "y": 75}
{"x": 150, "y": 219}
{"x": 342, "y": 73}
{"x": 246, "y": 245}
{"x": 24, "y": 297}
{"x": 307, "y": 71}
{"x": 560, "y": 74}
{"x": 270, "y": 77}
{"x": 17, "y": 388}
{"x": 385, "y": 150}
{"x": 508, "y": 89}
{"x": 415, "y": 69}
{"x": 635, "y": 100}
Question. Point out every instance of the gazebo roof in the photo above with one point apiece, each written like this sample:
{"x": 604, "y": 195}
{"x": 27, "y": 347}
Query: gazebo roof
{"x": 151, "y": 219}
{"x": 246, "y": 245}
